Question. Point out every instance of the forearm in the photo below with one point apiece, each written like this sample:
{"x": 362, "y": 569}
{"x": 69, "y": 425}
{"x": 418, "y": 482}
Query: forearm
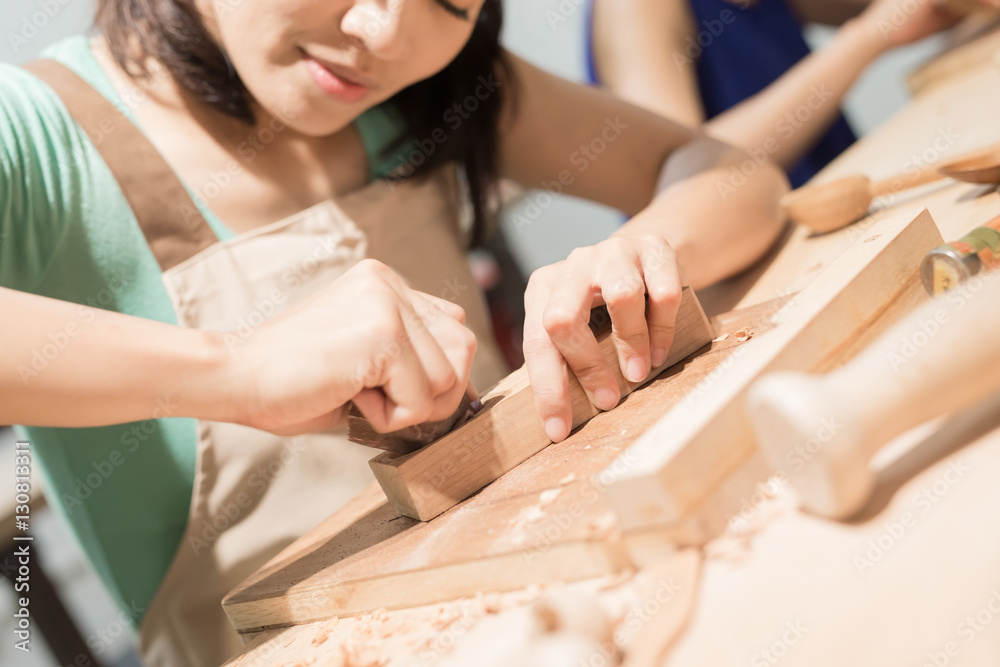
{"x": 717, "y": 218}
{"x": 71, "y": 365}
{"x": 789, "y": 116}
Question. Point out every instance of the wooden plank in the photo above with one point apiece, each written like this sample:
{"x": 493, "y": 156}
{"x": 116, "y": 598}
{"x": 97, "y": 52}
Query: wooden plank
{"x": 677, "y": 462}
{"x": 364, "y": 556}
{"x": 508, "y": 430}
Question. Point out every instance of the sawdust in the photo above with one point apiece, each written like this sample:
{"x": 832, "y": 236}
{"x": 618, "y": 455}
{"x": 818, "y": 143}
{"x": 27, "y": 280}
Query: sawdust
{"x": 568, "y": 479}
{"x": 744, "y": 334}
{"x": 720, "y": 338}
{"x": 526, "y": 516}
{"x": 735, "y": 544}
{"x": 603, "y": 525}
{"x": 491, "y": 603}
{"x": 616, "y": 579}
{"x": 361, "y": 656}
{"x": 548, "y": 497}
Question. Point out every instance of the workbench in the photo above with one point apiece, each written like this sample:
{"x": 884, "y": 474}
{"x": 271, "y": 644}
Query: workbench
{"x": 914, "y": 580}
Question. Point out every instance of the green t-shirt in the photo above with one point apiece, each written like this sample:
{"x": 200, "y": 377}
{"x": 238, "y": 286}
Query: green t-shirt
{"x": 67, "y": 232}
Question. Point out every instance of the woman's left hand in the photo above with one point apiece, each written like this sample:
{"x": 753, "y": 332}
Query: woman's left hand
{"x": 619, "y": 272}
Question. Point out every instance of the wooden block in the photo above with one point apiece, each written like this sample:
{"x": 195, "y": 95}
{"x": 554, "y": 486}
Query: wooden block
{"x": 681, "y": 459}
{"x": 508, "y": 430}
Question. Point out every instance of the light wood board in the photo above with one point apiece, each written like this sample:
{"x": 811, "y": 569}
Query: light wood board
{"x": 684, "y": 456}
{"x": 508, "y": 430}
{"x": 544, "y": 521}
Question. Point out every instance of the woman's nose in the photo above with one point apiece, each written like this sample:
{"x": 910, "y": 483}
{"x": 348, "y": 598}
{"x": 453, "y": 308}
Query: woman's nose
{"x": 379, "y": 25}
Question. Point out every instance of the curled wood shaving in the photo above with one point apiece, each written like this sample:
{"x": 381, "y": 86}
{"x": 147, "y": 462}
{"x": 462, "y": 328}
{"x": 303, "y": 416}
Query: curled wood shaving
{"x": 744, "y": 334}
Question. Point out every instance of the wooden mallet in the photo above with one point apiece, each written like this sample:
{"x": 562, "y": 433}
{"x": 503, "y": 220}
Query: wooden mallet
{"x": 822, "y": 431}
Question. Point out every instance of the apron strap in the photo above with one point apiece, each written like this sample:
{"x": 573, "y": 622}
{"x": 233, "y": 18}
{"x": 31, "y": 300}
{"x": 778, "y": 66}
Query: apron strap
{"x": 173, "y": 226}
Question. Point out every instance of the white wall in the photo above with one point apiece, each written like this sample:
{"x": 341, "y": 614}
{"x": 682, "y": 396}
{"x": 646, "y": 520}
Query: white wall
{"x": 28, "y": 26}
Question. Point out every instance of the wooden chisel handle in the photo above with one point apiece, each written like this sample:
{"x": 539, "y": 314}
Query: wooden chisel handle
{"x": 823, "y": 430}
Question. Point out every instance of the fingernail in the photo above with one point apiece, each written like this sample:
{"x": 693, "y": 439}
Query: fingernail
{"x": 606, "y": 399}
{"x": 659, "y": 357}
{"x": 555, "y": 428}
{"x": 637, "y": 369}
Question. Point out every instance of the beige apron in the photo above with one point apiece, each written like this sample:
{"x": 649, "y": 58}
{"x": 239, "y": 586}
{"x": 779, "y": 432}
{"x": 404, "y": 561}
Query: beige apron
{"x": 255, "y": 492}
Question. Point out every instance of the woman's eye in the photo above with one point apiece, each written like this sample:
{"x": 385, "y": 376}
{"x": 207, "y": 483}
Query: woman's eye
{"x": 457, "y": 12}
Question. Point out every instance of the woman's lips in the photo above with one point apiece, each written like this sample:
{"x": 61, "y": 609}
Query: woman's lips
{"x": 334, "y": 85}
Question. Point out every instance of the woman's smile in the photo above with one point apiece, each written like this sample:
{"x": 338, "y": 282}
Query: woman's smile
{"x": 341, "y": 83}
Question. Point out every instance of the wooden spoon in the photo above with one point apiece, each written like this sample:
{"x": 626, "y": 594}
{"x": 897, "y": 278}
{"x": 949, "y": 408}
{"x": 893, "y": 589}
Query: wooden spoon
{"x": 964, "y": 7}
{"x": 983, "y": 168}
{"x": 825, "y": 208}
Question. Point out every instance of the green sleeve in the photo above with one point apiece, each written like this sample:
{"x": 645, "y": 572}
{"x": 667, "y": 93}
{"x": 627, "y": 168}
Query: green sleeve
{"x": 37, "y": 176}
{"x": 379, "y": 128}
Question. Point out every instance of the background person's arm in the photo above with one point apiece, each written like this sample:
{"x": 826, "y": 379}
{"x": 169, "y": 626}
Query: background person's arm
{"x": 612, "y": 152}
{"x": 403, "y": 357}
{"x": 789, "y": 116}
{"x": 692, "y": 207}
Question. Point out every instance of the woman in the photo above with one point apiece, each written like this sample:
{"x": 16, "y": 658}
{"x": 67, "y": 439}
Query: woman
{"x": 287, "y": 141}
{"x": 743, "y": 69}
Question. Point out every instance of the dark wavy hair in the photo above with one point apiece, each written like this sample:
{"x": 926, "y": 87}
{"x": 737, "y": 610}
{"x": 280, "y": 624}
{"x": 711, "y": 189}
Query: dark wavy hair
{"x": 172, "y": 33}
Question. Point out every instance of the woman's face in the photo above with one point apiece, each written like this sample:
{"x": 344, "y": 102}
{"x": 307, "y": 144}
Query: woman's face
{"x": 318, "y": 64}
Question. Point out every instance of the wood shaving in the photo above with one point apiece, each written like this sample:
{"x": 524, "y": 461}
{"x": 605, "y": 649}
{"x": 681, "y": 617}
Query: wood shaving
{"x": 527, "y": 515}
{"x": 721, "y": 338}
{"x": 616, "y": 579}
{"x": 363, "y": 656}
{"x": 603, "y": 525}
{"x": 492, "y": 602}
{"x": 549, "y": 496}
{"x": 745, "y": 334}
{"x": 320, "y": 637}
{"x": 568, "y": 479}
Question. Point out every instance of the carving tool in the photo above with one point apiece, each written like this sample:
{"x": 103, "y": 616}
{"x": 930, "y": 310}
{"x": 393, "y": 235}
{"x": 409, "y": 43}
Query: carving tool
{"x": 412, "y": 438}
{"x": 951, "y": 264}
{"x": 831, "y": 206}
{"x": 822, "y": 431}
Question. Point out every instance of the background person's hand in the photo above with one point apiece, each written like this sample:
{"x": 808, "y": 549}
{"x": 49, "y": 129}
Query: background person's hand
{"x": 619, "y": 272}
{"x": 403, "y": 357}
{"x": 901, "y": 22}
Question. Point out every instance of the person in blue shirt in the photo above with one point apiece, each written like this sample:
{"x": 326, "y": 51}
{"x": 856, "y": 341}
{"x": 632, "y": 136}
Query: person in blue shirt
{"x": 743, "y": 69}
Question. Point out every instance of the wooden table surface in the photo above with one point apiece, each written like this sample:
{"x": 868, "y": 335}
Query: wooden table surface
{"x": 915, "y": 580}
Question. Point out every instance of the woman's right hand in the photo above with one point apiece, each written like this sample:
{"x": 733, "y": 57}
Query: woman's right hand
{"x": 403, "y": 357}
